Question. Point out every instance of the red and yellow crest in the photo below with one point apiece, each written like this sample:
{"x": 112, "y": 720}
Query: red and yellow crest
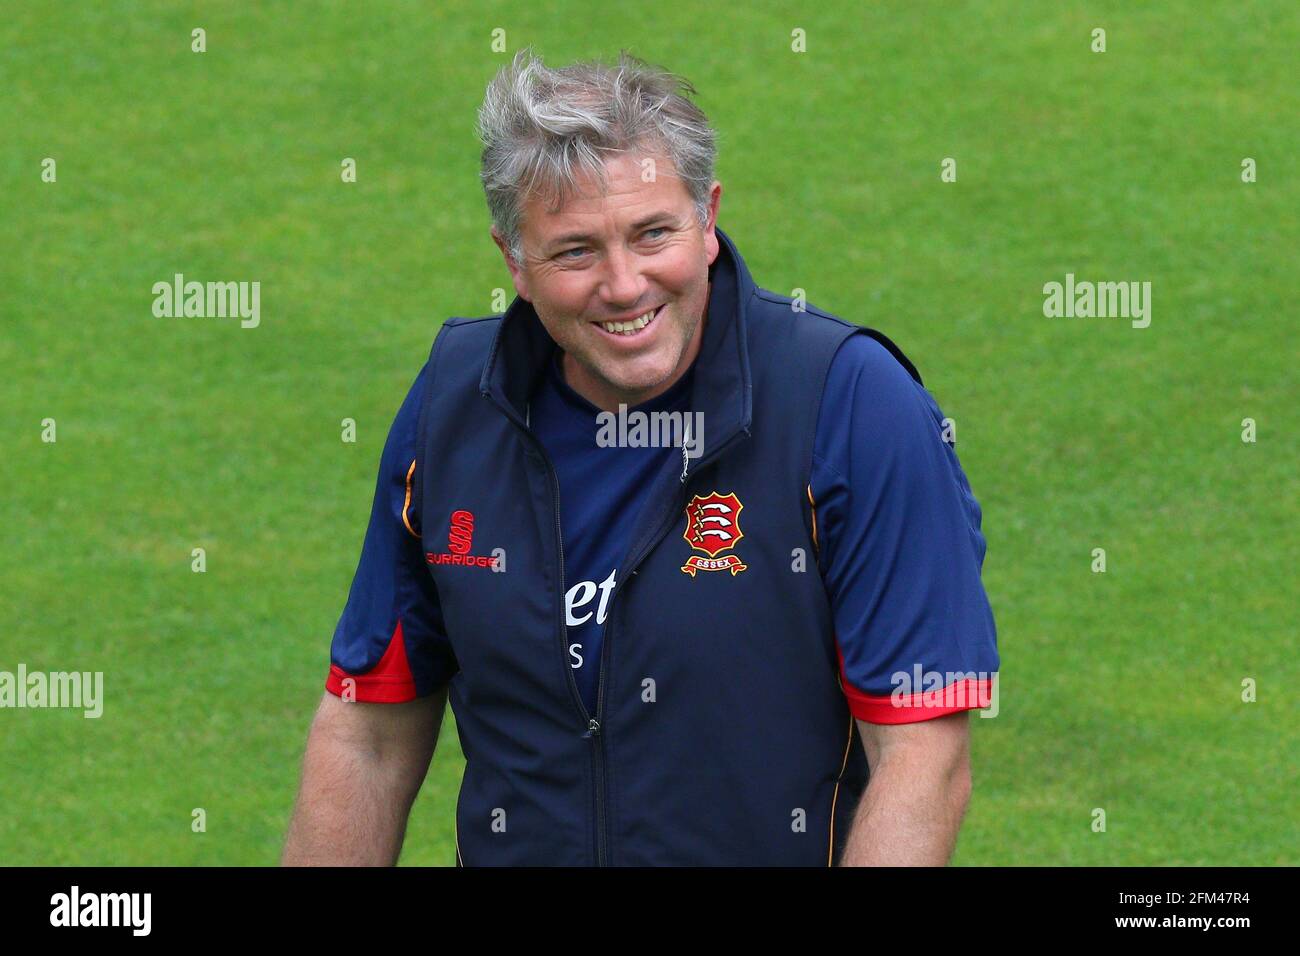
{"x": 713, "y": 526}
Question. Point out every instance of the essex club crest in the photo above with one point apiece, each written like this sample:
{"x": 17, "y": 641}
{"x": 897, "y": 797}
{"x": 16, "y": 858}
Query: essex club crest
{"x": 713, "y": 526}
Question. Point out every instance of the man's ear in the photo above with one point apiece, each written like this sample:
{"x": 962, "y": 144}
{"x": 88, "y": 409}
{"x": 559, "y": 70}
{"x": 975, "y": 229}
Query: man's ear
{"x": 711, "y": 245}
{"x": 516, "y": 273}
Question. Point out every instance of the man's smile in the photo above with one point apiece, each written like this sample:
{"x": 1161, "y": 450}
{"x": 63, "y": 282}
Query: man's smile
{"x": 631, "y": 330}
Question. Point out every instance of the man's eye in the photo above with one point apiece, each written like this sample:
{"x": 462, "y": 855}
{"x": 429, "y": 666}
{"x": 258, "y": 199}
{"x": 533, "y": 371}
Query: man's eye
{"x": 583, "y": 249}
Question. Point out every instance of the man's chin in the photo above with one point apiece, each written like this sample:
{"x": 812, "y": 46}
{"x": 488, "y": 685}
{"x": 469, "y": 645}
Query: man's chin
{"x": 633, "y": 385}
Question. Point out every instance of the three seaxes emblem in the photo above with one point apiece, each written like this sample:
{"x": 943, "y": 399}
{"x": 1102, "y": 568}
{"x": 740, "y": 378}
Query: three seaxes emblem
{"x": 713, "y": 526}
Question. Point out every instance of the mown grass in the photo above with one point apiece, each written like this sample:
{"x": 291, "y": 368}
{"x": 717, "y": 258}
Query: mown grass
{"x": 1120, "y": 691}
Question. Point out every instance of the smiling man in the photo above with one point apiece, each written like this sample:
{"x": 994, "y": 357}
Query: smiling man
{"x": 627, "y": 335}
{"x": 658, "y": 653}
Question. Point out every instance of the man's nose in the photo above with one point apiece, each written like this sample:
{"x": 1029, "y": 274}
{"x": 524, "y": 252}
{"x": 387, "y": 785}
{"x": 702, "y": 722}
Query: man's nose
{"x": 623, "y": 287}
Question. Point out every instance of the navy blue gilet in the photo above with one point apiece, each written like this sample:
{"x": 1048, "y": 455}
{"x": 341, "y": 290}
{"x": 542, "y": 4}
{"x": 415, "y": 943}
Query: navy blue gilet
{"x": 721, "y": 734}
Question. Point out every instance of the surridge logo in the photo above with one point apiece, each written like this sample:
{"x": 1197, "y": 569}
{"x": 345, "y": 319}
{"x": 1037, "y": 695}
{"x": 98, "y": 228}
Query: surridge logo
{"x": 713, "y": 526}
{"x": 461, "y": 536}
{"x": 460, "y": 539}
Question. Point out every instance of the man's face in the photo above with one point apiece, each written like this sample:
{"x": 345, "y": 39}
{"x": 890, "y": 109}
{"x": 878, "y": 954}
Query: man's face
{"x": 636, "y": 250}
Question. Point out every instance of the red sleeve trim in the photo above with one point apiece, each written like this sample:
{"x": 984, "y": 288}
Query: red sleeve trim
{"x": 896, "y": 708}
{"x": 388, "y": 682}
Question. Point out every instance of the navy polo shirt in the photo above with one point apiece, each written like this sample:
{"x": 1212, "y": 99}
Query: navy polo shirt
{"x": 898, "y": 528}
{"x": 601, "y": 491}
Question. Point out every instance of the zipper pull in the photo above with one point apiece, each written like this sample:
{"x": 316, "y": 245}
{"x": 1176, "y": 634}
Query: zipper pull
{"x": 686, "y": 459}
{"x": 593, "y": 729}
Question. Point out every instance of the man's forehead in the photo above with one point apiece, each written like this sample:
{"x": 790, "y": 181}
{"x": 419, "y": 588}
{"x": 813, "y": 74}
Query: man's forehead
{"x": 630, "y": 201}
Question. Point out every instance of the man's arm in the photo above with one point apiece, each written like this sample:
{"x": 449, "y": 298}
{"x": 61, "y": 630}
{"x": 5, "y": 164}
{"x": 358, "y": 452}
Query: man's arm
{"x": 362, "y": 770}
{"x": 917, "y": 793}
{"x": 900, "y": 549}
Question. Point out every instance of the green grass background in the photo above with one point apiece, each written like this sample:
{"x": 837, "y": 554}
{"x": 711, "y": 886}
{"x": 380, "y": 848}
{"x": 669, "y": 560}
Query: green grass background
{"x": 1119, "y": 690}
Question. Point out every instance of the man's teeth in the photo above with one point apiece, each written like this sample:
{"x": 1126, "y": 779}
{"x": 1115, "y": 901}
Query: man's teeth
{"x": 627, "y": 328}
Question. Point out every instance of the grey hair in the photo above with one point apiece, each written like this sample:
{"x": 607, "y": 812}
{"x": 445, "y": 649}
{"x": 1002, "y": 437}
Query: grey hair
{"x": 540, "y": 126}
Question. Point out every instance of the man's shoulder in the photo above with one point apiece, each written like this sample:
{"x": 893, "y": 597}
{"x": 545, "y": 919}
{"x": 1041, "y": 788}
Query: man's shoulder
{"x": 467, "y": 332}
{"x": 773, "y": 306}
{"x": 871, "y": 400}
{"x": 457, "y": 321}
{"x": 460, "y": 344}
{"x": 867, "y": 358}
{"x": 455, "y": 361}
{"x": 859, "y": 350}
{"x": 409, "y": 413}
